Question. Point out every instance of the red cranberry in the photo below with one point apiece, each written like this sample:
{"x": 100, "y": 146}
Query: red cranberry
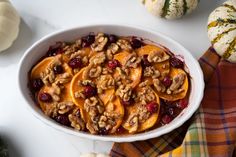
{"x": 166, "y": 119}
{"x": 136, "y": 43}
{"x": 112, "y": 38}
{"x": 183, "y": 103}
{"x": 102, "y": 131}
{"x": 176, "y": 62}
{"x": 167, "y": 81}
{"x": 145, "y": 62}
{"x": 89, "y": 91}
{"x": 88, "y": 40}
{"x": 120, "y": 130}
{"x": 112, "y": 64}
{"x": 58, "y": 69}
{"x": 55, "y": 49}
{"x": 37, "y": 84}
{"x": 45, "y": 97}
{"x": 75, "y": 63}
{"x": 152, "y": 107}
{"x": 62, "y": 119}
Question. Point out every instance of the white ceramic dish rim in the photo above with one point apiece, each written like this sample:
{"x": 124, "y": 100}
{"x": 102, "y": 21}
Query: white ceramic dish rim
{"x": 128, "y": 138}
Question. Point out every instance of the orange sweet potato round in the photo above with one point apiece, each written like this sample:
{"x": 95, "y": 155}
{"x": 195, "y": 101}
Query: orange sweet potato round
{"x": 181, "y": 95}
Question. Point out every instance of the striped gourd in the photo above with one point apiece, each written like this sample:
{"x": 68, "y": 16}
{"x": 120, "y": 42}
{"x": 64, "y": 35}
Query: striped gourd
{"x": 170, "y": 9}
{"x": 222, "y": 30}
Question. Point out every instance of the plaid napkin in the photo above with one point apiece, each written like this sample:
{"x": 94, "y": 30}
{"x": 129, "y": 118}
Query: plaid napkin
{"x": 210, "y": 132}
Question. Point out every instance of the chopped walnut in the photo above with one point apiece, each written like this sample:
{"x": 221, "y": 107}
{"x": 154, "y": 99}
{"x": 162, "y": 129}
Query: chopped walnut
{"x": 151, "y": 72}
{"x": 143, "y": 113}
{"x": 100, "y": 42}
{"x": 93, "y": 106}
{"x": 92, "y": 127}
{"x": 65, "y": 106}
{"x": 76, "y": 121}
{"x": 92, "y": 72}
{"x": 124, "y": 92}
{"x": 51, "y": 110}
{"x": 48, "y": 76}
{"x": 55, "y": 92}
{"x": 98, "y": 59}
{"x": 145, "y": 95}
{"x": 133, "y": 60}
{"x": 111, "y": 50}
{"x": 73, "y": 47}
{"x": 159, "y": 86}
{"x": 124, "y": 44}
{"x": 177, "y": 82}
{"x": 157, "y": 56}
{"x": 63, "y": 78}
{"x": 86, "y": 83}
{"x": 133, "y": 122}
{"x": 105, "y": 82}
{"x": 79, "y": 94}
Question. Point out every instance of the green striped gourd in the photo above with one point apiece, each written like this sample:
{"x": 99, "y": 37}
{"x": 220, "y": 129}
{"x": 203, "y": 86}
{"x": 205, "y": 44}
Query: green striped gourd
{"x": 222, "y": 30}
{"x": 170, "y": 9}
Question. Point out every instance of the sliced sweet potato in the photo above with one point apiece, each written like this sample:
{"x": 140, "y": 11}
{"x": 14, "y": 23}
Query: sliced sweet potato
{"x": 74, "y": 86}
{"x": 135, "y": 73}
{"x": 40, "y": 67}
{"x": 87, "y": 51}
{"x": 118, "y": 108}
{"x": 181, "y": 95}
{"x": 163, "y": 67}
{"x": 150, "y": 122}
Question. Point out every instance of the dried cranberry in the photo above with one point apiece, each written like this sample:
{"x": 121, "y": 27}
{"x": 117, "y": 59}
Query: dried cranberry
{"x": 167, "y": 81}
{"x": 62, "y": 119}
{"x": 152, "y": 107}
{"x": 183, "y": 103}
{"x": 75, "y": 63}
{"x": 166, "y": 119}
{"x": 136, "y": 43}
{"x": 176, "y": 62}
{"x": 145, "y": 62}
{"x": 112, "y": 38}
{"x": 88, "y": 40}
{"x": 55, "y": 49}
{"x": 58, "y": 69}
{"x": 120, "y": 130}
{"x": 45, "y": 97}
{"x": 102, "y": 131}
{"x": 37, "y": 84}
{"x": 112, "y": 64}
{"x": 89, "y": 91}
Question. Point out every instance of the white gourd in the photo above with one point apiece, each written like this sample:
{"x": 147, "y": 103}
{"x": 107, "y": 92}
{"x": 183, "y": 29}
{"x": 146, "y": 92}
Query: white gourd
{"x": 170, "y": 9}
{"x": 9, "y": 24}
{"x": 222, "y": 30}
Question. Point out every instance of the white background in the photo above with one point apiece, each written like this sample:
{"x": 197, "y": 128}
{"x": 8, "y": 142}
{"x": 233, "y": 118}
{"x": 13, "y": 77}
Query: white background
{"x": 30, "y": 137}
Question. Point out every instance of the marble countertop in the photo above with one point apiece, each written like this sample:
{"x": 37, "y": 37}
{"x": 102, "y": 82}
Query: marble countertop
{"x": 30, "y": 137}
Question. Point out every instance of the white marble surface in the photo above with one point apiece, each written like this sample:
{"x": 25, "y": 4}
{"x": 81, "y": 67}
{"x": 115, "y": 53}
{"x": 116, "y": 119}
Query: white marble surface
{"x": 30, "y": 137}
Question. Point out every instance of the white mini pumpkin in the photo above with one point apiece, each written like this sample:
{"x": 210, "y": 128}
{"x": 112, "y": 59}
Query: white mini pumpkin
{"x": 170, "y": 9}
{"x": 9, "y": 24}
{"x": 222, "y": 30}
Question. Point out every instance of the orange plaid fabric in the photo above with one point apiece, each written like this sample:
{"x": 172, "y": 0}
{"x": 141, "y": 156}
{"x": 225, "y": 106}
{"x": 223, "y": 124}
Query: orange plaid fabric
{"x": 210, "y": 132}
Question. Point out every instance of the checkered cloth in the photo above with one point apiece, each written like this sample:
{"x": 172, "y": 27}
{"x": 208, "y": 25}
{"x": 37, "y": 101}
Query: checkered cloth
{"x": 210, "y": 132}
